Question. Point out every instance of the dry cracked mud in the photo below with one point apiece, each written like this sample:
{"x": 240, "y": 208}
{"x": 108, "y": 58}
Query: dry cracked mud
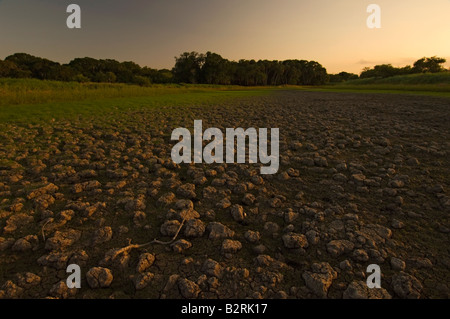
{"x": 363, "y": 179}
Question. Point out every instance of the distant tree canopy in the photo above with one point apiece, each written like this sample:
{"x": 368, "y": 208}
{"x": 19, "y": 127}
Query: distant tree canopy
{"x": 190, "y": 67}
{"x": 211, "y": 68}
{"x": 424, "y": 65}
{"x": 342, "y": 77}
{"x": 22, "y": 65}
{"x": 431, "y": 65}
{"x": 194, "y": 67}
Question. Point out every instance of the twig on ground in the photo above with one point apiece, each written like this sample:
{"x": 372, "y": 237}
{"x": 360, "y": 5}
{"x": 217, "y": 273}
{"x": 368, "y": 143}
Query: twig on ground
{"x": 155, "y": 241}
{"x": 43, "y": 226}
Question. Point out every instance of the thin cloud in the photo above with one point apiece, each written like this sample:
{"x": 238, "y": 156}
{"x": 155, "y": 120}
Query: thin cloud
{"x": 363, "y": 62}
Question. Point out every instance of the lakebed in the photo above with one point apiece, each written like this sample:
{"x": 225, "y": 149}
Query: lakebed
{"x": 363, "y": 179}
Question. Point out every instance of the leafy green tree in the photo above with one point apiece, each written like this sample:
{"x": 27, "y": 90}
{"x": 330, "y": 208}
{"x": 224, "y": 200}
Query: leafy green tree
{"x": 37, "y": 67}
{"x": 292, "y": 74}
{"x": 188, "y": 67}
{"x": 343, "y": 77}
{"x": 9, "y": 69}
{"x": 215, "y": 69}
{"x": 380, "y": 71}
{"x": 313, "y": 73}
{"x": 431, "y": 65}
{"x": 163, "y": 76}
{"x": 62, "y": 73}
{"x": 141, "y": 80}
{"x": 88, "y": 67}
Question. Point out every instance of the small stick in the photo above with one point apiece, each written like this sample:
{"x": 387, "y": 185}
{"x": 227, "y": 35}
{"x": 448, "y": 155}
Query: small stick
{"x": 155, "y": 241}
{"x": 43, "y": 226}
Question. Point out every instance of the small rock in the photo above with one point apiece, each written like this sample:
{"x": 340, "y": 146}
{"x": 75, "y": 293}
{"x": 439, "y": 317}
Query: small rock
{"x": 338, "y": 247}
{"x": 313, "y": 237}
{"x": 166, "y": 199}
{"x": 187, "y": 191}
{"x": 139, "y": 218}
{"x": 29, "y": 242}
{"x": 28, "y": 280}
{"x": 62, "y": 291}
{"x": 259, "y": 249}
{"x": 99, "y": 277}
{"x": 290, "y": 216}
{"x": 181, "y": 245}
{"x": 345, "y": 265}
{"x": 79, "y": 257}
{"x": 397, "y": 264}
{"x": 218, "y": 231}
{"x": 61, "y": 240}
{"x": 293, "y": 241}
{"x": 360, "y": 255}
{"x": 252, "y": 236}
{"x": 184, "y": 204}
{"x": 146, "y": 260}
{"x": 248, "y": 199}
{"x": 359, "y": 290}
{"x": 396, "y": 224}
{"x": 320, "y": 279}
{"x": 212, "y": 268}
{"x": 406, "y": 286}
{"x": 6, "y": 243}
{"x": 171, "y": 282}
{"x": 412, "y": 161}
{"x": 271, "y": 227}
{"x": 142, "y": 280}
{"x": 188, "y": 289}
{"x": 11, "y": 290}
{"x": 358, "y": 179}
{"x": 170, "y": 227}
{"x": 102, "y": 235}
{"x": 194, "y": 228}
{"x": 321, "y": 161}
{"x": 420, "y": 263}
{"x": 54, "y": 259}
{"x": 275, "y": 202}
{"x": 396, "y": 183}
{"x": 17, "y": 221}
{"x": 237, "y": 212}
{"x": 231, "y": 246}
{"x": 223, "y": 203}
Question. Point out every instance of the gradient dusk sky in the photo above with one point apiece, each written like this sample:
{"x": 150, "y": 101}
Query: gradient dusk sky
{"x": 151, "y": 33}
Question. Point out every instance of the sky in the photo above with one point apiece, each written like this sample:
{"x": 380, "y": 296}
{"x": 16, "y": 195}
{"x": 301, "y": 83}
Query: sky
{"x": 152, "y": 32}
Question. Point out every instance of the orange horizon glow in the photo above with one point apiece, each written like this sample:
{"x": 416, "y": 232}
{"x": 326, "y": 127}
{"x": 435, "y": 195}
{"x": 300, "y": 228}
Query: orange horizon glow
{"x": 152, "y": 33}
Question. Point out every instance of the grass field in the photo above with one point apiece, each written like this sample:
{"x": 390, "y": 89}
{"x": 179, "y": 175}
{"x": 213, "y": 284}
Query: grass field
{"x": 29, "y": 100}
{"x": 411, "y": 79}
{"x": 437, "y": 84}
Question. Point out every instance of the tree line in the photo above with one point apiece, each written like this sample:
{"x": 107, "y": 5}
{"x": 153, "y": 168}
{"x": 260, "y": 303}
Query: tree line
{"x": 190, "y": 67}
{"x": 423, "y": 65}
{"x": 211, "y": 68}
{"x": 198, "y": 68}
{"x": 381, "y": 71}
{"x": 22, "y": 65}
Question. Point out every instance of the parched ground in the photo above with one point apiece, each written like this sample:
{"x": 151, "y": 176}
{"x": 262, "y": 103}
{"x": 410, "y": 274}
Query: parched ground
{"x": 364, "y": 179}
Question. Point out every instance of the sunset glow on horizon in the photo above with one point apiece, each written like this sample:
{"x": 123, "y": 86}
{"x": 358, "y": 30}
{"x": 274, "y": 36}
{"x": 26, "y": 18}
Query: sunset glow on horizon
{"x": 152, "y": 33}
